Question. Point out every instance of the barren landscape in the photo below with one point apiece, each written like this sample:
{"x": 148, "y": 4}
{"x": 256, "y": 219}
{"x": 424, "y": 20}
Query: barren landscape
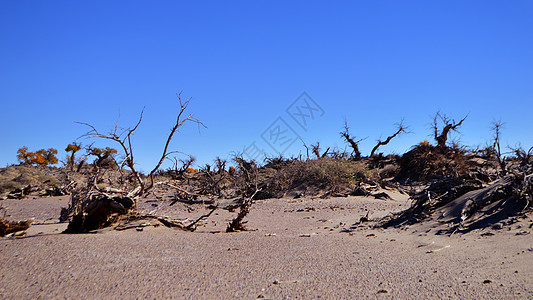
{"x": 298, "y": 248}
{"x": 316, "y": 228}
{"x": 439, "y": 221}
{"x": 266, "y": 150}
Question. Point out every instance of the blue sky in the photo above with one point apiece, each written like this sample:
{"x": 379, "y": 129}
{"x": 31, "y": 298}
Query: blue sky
{"x": 244, "y": 62}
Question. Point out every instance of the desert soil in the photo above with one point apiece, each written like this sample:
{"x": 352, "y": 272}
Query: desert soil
{"x": 296, "y": 250}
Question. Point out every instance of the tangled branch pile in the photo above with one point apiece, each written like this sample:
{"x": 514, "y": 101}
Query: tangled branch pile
{"x": 470, "y": 201}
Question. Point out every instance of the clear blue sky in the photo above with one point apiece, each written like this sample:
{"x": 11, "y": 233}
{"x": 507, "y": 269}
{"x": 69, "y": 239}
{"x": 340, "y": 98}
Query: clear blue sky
{"x": 244, "y": 63}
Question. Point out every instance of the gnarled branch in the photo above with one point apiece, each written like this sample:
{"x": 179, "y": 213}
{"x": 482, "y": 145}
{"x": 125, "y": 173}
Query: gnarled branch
{"x": 402, "y": 128}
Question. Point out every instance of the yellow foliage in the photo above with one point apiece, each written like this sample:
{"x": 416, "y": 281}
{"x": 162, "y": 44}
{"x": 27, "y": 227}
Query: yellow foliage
{"x": 102, "y": 153}
{"x": 232, "y": 170}
{"x": 424, "y": 143}
{"x": 72, "y": 148}
{"x": 39, "y": 157}
{"x": 191, "y": 170}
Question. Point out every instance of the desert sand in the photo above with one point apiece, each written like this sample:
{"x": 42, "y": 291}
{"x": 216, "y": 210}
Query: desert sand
{"x": 302, "y": 248}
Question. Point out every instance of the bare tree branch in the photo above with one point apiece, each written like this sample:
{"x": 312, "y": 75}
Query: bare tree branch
{"x": 306, "y": 148}
{"x": 179, "y": 122}
{"x": 402, "y": 128}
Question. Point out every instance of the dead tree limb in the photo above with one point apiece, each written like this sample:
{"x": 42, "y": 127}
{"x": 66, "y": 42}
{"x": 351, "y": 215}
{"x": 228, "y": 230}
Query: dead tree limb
{"x": 192, "y": 226}
{"x": 402, "y": 128}
{"x": 179, "y": 122}
{"x": 7, "y": 227}
{"x": 124, "y": 140}
{"x": 176, "y": 187}
{"x": 325, "y": 153}
{"x": 306, "y": 148}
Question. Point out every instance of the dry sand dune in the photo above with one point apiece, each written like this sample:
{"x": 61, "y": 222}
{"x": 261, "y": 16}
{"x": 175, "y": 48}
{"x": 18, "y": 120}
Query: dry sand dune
{"x": 298, "y": 251}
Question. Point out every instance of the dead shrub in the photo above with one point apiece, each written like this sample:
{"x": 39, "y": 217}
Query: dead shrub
{"x": 389, "y": 171}
{"x": 428, "y": 162}
{"x": 18, "y": 177}
{"x": 331, "y": 175}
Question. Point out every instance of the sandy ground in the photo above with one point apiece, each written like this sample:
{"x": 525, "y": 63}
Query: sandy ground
{"x": 297, "y": 251}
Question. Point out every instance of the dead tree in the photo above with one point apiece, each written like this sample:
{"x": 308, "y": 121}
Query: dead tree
{"x": 98, "y": 207}
{"x": 496, "y": 127}
{"x": 522, "y": 155}
{"x": 71, "y": 159}
{"x": 316, "y": 150}
{"x": 402, "y": 128}
{"x": 248, "y": 174}
{"x": 123, "y": 138}
{"x": 356, "y": 154}
{"x": 441, "y": 137}
{"x": 181, "y": 165}
{"x": 220, "y": 165}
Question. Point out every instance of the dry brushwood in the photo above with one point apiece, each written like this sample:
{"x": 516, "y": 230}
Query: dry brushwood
{"x": 306, "y": 148}
{"x": 466, "y": 203}
{"x": 99, "y": 211}
{"x": 428, "y": 162}
{"x": 316, "y": 150}
{"x": 220, "y": 165}
{"x": 182, "y": 165}
{"x": 248, "y": 175}
{"x": 94, "y": 207}
{"x": 402, "y": 128}
{"x": 212, "y": 183}
{"x": 124, "y": 140}
{"x": 8, "y": 227}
